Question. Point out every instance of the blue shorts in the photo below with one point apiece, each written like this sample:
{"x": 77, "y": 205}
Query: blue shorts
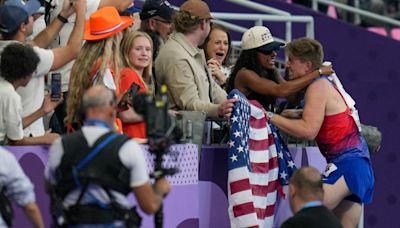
{"x": 358, "y": 175}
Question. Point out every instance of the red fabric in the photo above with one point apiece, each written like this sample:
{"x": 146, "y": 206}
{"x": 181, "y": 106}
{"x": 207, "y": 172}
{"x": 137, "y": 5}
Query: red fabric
{"x": 334, "y": 129}
{"x": 129, "y": 76}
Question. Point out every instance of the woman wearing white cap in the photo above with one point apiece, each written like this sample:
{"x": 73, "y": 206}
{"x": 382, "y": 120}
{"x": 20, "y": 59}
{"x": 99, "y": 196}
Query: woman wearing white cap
{"x": 255, "y": 74}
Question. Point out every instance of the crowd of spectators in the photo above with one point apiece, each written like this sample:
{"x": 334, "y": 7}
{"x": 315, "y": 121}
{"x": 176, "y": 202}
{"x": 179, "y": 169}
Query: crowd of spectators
{"x": 101, "y": 57}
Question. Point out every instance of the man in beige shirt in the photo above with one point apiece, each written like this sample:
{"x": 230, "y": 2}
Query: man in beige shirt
{"x": 182, "y": 65}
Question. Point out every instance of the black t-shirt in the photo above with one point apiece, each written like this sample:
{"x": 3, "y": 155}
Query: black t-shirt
{"x": 313, "y": 217}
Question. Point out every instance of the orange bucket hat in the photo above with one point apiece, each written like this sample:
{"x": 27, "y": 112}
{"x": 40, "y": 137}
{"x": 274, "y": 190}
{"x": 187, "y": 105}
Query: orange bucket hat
{"x": 104, "y": 23}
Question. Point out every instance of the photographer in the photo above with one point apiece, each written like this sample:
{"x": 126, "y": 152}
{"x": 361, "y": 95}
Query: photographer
{"x": 93, "y": 189}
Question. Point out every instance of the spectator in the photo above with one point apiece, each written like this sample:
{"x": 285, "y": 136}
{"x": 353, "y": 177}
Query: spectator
{"x": 217, "y": 48}
{"x": 182, "y": 65}
{"x": 62, "y": 39}
{"x": 99, "y": 61}
{"x": 156, "y": 16}
{"x": 15, "y": 185}
{"x": 119, "y": 168}
{"x": 39, "y": 23}
{"x": 136, "y": 53}
{"x": 377, "y": 7}
{"x": 327, "y": 118}
{"x": 16, "y": 25}
{"x": 305, "y": 196}
{"x": 255, "y": 74}
{"x": 18, "y": 62}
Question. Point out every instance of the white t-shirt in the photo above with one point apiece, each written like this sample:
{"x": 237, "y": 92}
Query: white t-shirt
{"x": 130, "y": 154}
{"x": 64, "y": 34}
{"x": 38, "y": 25}
{"x": 10, "y": 112}
{"x": 32, "y": 94}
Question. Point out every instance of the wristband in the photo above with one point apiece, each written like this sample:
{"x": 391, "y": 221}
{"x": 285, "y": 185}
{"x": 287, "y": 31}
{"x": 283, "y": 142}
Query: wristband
{"x": 62, "y": 19}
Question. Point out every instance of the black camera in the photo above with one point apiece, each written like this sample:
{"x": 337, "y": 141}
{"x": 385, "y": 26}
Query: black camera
{"x": 160, "y": 126}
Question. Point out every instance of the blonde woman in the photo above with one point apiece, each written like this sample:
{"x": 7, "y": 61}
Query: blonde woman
{"x": 99, "y": 60}
{"x": 136, "y": 55}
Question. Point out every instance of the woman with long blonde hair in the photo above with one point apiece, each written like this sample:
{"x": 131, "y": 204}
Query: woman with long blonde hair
{"x": 99, "y": 61}
{"x": 136, "y": 55}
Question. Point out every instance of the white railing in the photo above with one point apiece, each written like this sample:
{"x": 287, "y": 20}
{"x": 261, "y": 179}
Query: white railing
{"x": 266, "y": 9}
{"x": 223, "y": 17}
{"x": 273, "y": 15}
{"x": 356, "y": 11}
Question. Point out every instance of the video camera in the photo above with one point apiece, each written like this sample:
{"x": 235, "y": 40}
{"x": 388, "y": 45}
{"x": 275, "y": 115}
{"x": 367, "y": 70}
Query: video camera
{"x": 161, "y": 131}
{"x": 160, "y": 126}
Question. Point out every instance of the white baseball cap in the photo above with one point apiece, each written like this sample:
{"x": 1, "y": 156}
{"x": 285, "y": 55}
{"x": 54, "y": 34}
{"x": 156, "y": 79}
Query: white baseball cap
{"x": 260, "y": 38}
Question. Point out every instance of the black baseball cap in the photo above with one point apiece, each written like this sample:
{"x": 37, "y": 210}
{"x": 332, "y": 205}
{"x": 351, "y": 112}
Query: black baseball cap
{"x": 152, "y": 8}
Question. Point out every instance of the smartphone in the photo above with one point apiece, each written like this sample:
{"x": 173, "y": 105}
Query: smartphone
{"x": 55, "y": 86}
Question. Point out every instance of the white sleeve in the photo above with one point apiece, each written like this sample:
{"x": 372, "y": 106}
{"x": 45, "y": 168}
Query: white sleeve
{"x": 19, "y": 187}
{"x": 13, "y": 111}
{"x": 132, "y": 157}
{"x": 56, "y": 152}
{"x": 46, "y": 57}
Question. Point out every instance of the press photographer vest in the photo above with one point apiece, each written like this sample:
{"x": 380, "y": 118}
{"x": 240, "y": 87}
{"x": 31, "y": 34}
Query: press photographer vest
{"x": 105, "y": 169}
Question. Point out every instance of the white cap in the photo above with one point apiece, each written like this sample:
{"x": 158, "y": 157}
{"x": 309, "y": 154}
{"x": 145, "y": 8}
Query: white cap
{"x": 261, "y": 38}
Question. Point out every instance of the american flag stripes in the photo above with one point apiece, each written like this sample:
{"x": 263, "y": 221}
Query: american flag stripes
{"x": 253, "y": 166}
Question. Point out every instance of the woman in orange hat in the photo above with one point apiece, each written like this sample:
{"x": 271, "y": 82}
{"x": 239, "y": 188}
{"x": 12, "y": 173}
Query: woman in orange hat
{"x": 136, "y": 53}
{"x": 99, "y": 60}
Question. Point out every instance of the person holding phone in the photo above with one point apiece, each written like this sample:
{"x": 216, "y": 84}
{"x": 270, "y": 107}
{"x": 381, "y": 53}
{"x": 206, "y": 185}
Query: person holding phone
{"x": 56, "y": 87}
{"x": 16, "y": 23}
{"x": 18, "y": 62}
{"x": 136, "y": 55}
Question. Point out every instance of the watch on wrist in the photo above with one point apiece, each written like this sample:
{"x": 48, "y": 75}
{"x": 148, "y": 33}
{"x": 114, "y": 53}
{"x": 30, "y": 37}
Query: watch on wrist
{"x": 320, "y": 71}
{"x": 270, "y": 115}
{"x": 62, "y": 19}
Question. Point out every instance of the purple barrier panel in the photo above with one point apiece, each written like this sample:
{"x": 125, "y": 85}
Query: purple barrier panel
{"x": 213, "y": 168}
{"x": 178, "y": 211}
{"x": 282, "y": 209}
{"x": 32, "y": 160}
{"x": 296, "y": 153}
{"x": 213, "y": 206}
{"x": 214, "y": 165}
{"x": 315, "y": 158}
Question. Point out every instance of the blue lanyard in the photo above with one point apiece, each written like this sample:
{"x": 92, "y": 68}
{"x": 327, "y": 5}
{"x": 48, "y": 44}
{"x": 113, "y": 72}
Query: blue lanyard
{"x": 97, "y": 122}
{"x": 312, "y": 204}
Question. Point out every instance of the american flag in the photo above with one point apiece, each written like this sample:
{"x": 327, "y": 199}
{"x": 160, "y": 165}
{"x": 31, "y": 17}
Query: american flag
{"x": 253, "y": 162}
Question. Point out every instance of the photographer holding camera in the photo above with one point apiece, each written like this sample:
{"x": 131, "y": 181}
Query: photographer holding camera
{"x": 91, "y": 171}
